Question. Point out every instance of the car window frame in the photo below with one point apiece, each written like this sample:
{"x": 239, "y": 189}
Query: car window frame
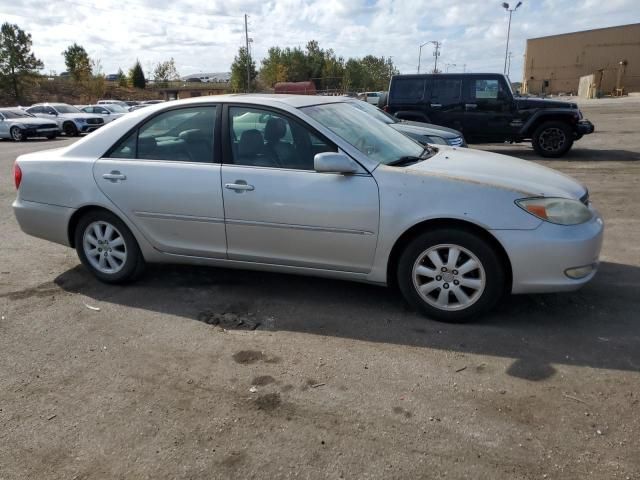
{"x": 227, "y": 151}
{"x": 217, "y": 147}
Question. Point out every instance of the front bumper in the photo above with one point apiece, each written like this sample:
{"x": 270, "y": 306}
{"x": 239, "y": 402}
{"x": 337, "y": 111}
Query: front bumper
{"x": 540, "y": 258}
{"x": 86, "y": 128}
{"x": 584, "y": 127}
{"x": 41, "y": 132}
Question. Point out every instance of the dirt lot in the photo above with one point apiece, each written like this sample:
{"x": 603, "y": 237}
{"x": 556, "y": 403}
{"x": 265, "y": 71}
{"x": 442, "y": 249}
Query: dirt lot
{"x": 338, "y": 380}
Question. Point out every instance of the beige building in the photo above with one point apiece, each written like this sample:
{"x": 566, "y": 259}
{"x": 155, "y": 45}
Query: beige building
{"x": 608, "y": 58}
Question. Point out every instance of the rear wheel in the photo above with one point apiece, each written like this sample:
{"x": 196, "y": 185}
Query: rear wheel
{"x": 553, "y": 139}
{"x": 451, "y": 275}
{"x": 17, "y": 134}
{"x": 108, "y": 248}
{"x": 70, "y": 129}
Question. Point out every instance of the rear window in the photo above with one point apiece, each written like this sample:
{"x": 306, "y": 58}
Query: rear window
{"x": 407, "y": 89}
{"x": 446, "y": 91}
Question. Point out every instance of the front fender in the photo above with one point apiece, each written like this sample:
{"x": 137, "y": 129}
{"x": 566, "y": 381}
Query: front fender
{"x": 550, "y": 114}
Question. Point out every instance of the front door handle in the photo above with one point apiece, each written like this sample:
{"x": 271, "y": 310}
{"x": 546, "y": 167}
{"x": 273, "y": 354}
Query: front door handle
{"x": 239, "y": 186}
{"x": 436, "y": 105}
{"x": 114, "y": 176}
{"x": 470, "y": 106}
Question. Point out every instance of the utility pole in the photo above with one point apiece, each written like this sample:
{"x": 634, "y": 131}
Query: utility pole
{"x": 509, "y": 63}
{"x": 505, "y": 5}
{"x": 436, "y": 54}
{"x": 246, "y": 36}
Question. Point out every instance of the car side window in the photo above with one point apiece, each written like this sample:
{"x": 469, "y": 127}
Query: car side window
{"x": 446, "y": 91}
{"x": 184, "y": 135}
{"x": 34, "y": 110}
{"x": 486, "y": 89}
{"x": 262, "y": 138}
{"x": 49, "y": 111}
{"x": 408, "y": 89}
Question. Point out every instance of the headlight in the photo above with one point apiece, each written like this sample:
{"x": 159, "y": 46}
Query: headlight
{"x": 80, "y": 120}
{"x": 561, "y": 211}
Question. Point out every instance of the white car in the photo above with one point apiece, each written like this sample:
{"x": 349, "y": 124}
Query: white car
{"x": 372, "y": 97}
{"x": 70, "y": 120}
{"x": 108, "y": 111}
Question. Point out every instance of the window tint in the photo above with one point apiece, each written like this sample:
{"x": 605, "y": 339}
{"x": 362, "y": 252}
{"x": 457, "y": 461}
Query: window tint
{"x": 408, "y": 89}
{"x": 266, "y": 139}
{"x": 178, "y": 135}
{"x": 34, "y": 110}
{"x": 446, "y": 91}
{"x": 49, "y": 111}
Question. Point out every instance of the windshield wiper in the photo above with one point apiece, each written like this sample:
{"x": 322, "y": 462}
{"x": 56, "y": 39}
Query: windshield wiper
{"x": 410, "y": 159}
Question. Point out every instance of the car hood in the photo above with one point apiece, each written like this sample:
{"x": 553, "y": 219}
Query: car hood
{"x": 501, "y": 171}
{"x": 78, "y": 115}
{"x": 30, "y": 121}
{"x": 530, "y": 102}
{"x": 420, "y": 129}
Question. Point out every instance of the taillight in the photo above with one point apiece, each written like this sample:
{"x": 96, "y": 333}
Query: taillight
{"x": 17, "y": 175}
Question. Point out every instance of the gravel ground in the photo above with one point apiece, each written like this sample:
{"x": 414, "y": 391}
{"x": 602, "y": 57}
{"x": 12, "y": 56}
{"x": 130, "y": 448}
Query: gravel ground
{"x": 210, "y": 373}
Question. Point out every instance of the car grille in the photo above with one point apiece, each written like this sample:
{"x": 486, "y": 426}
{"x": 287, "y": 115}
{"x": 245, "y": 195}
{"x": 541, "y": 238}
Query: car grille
{"x": 95, "y": 121}
{"x": 47, "y": 125}
{"x": 455, "y": 141}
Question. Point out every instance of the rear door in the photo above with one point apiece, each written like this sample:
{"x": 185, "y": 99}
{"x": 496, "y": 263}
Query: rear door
{"x": 445, "y": 101}
{"x": 165, "y": 177}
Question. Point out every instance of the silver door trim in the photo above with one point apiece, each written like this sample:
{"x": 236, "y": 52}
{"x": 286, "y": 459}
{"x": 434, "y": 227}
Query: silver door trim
{"x": 170, "y": 216}
{"x": 299, "y": 227}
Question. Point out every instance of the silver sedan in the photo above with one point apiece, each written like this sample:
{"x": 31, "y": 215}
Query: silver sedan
{"x": 310, "y": 185}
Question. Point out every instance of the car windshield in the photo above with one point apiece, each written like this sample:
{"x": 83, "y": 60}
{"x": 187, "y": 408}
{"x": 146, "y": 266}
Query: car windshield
{"x": 375, "y": 139}
{"x": 14, "y": 114}
{"x": 375, "y": 112}
{"x": 115, "y": 108}
{"x": 66, "y": 109}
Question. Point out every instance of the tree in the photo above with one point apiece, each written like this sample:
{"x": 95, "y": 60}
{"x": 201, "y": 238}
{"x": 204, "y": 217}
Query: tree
{"x": 78, "y": 62}
{"x": 136, "y": 76}
{"x": 17, "y": 61}
{"x": 165, "y": 71}
{"x": 239, "y": 71}
{"x": 122, "y": 79}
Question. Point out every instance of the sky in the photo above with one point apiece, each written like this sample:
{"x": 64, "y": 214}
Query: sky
{"x": 204, "y": 36}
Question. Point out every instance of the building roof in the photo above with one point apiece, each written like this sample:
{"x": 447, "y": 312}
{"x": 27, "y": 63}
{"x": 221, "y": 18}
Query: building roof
{"x": 587, "y": 31}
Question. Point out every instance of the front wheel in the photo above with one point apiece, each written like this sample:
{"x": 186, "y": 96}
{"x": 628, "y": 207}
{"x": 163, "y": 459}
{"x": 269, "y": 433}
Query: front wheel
{"x": 70, "y": 129}
{"x": 451, "y": 275}
{"x": 108, "y": 248}
{"x": 17, "y": 134}
{"x": 552, "y": 139}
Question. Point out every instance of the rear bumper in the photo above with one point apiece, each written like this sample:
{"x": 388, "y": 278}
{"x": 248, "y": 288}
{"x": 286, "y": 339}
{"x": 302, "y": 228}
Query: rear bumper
{"x": 584, "y": 127}
{"x": 41, "y": 220}
{"x": 540, "y": 258}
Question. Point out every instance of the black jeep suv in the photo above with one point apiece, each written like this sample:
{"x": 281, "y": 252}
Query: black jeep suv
{"x": 483, "y": 107}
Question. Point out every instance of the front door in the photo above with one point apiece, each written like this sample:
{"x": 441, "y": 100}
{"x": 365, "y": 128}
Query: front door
{"x": 165, "y": 178}
{"x": 278, "y": 210}
{"x": 488, "y": 110}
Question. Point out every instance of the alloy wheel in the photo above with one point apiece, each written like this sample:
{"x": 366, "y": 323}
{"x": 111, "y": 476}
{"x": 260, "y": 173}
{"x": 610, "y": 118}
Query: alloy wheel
{"x": 449, "y": 277}
{"x": 552, "y": 139}
{"x": 104, "y": 247}
{"x": 16, "y": 134}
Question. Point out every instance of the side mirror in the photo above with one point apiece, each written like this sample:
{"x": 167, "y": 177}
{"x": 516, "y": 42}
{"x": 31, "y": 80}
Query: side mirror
{"x": 330, "y": 162}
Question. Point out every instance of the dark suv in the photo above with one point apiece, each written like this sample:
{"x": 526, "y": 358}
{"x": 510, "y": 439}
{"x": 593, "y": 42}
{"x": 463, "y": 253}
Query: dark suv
{"x": 483, "y": 107}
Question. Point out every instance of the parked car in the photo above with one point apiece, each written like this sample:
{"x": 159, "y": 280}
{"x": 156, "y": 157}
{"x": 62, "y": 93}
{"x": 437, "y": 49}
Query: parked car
{"x": 19, "y": 125}
{"x": 138, "y": 107}
{"x": 109, "y": 112}
{"x": 422, "y": 132}
{"x": 131, "y": 103}
{"x": 70, "y": 120}
{"x": 371, "y": 97}
{"x": 113, "y": 102}
{"x": 152, "y": 102}
{"x": 310, "y": 185}
{"x": 483, "y": 107}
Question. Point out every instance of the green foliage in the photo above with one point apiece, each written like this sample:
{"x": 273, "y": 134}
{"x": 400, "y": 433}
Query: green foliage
{"x": 78, "y": 62}
{"x": 165, "y": 71}
{"x": 239, "y": 71}
{"x": 18, "y": 64}
{"x": 122, "y": 79}
{"x": 325, "y": 69}
{"x": 136, "y": 76}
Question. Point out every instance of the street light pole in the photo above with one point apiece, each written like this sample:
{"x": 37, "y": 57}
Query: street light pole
{"x": 448, "y": 65}
{"x": 435, "y": 54}
{"x": 420, "y": 55}
{"x": 505, "y": 5}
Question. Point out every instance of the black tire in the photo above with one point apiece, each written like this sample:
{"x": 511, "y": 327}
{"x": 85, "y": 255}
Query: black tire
{"x": 70, "y": 129}
{"x": 133, "y": 265}
{"x": 483, "y": 299}
{"x": 552, "y": 139}
{"x": 17, "y": 135}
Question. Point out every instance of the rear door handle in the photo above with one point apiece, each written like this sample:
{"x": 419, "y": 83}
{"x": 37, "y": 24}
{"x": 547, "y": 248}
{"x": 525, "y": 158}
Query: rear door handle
{"x": 436, "y": 105}
{"x": 114, "y": 176}
{"x": 470, "y": 106}
{"x": 239, "y": 187}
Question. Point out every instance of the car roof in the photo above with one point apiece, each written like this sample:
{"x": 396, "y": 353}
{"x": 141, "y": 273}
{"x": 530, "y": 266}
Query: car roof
{"x": 50, "y": 104}
{"x": 266, "y": 99}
